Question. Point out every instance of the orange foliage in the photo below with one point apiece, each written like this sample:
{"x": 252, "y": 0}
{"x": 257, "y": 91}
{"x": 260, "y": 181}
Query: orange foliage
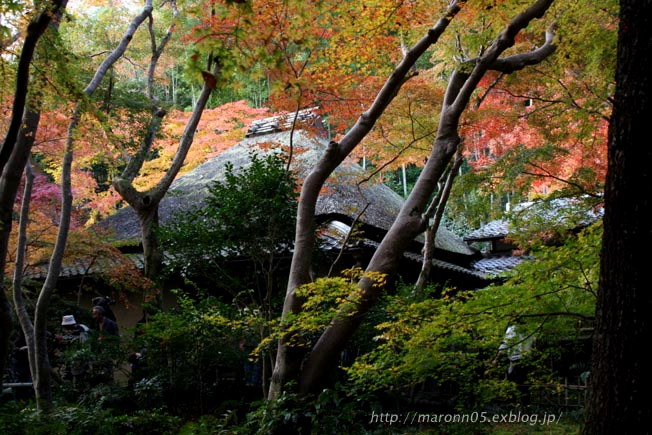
{"x": 330, "y": 54}
{"x": 110, "y": 142}
{"x": 406, "y": 131}
{"x": 504, "y": 122}
{"x": 218, "y": 130}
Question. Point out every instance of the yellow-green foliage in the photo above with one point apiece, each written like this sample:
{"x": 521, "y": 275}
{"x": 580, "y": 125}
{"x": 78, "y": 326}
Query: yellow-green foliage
{"x": 323, "y": 300}
{"x": 456, "y": 338}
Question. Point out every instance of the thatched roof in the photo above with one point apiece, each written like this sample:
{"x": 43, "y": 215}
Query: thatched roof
{"x": 343, "y": 198}
{"x": 284, "y": 122}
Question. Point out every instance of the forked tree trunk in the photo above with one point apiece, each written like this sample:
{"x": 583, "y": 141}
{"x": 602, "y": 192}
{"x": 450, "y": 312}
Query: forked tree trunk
{"x": 314, "y": 374}
{"x": 289, "y": 358}
{"x": 621, "y": 380}
{"x": 437, "y": 208}
{"x": 146, "y": 203}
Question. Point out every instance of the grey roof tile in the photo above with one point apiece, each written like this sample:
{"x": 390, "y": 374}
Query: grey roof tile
{"x": 493, "y": 230}
{"x": 497, "y": 264}
{"x": 559, "y": 212}
{"x": 439, "y": 264}
{"x": 82, "y": 266}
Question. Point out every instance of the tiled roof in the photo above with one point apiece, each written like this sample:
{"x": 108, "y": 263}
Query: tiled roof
{"x": 493, "y": 230}
{"x": 439, "y": 264}
{"x": 82, "y": 266}
{"x": 560, "y": 212}
{"x": 332, "y": 236}
{"x": 334, "y": 232}
{"x": 497, "y": 264}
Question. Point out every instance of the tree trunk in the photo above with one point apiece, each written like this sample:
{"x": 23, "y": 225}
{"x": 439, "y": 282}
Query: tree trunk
{"x": 13, "y": 156}
{"x": 410, "y": 222}
{"x": 6, "y": 323}
{"x": 148, "y": 217}
{"x": 438, "y": 206}
{"x": 42, "y": 380}
{"x": 146, "y": 203}
{"x": 19, "y": 304}
{"x": 36, "y": 336}
{"x": 289, "y": 358}
{"x": 620, "y": 378}
{"x": 323, "y": 359}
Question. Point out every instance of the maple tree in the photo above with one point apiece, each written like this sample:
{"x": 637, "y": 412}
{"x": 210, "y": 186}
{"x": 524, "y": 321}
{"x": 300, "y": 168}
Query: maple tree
{"x": 296, "y": 48}
{"x": 139, "y": 181}
{"x": 37, "y": 349}
{"x": 94, "y": 197}
{"x": 312, "y": 373}
{"x": 335, "y": 64}
{"x": 535, "y": 133}
{"x": 544, "y": 134}
{"x": 36, "y": 334}
{"x": 219, "y": 129}
{"x": 146, "y": 203}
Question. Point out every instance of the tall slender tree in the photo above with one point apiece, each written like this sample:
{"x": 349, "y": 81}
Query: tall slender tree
{"x": 15, "y": 152}
{"x": 36, "y": 334}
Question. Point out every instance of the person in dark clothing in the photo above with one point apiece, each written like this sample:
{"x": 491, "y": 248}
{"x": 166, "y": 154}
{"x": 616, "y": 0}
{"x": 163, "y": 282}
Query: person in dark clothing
{"x": 137, "y": 361}
{"x": 105, "y": 302}
{"x": 108, "y": 342}
{"x": 21, "y": 360}
{"x": 105, "y": 325}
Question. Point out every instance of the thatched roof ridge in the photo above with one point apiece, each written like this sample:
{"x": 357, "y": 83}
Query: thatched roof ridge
{"x": 343, "y": 196}
{"x": 283, "y": 122}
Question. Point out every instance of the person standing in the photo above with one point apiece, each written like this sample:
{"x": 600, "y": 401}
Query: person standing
{"x": 73, "y": 336}
{"x": 105, "y": 302}
{"x": 106, "y": 326}
{"x": 518, "y": 345}
{"x": 73, "y": 331}
{"x": 108, "y": 342}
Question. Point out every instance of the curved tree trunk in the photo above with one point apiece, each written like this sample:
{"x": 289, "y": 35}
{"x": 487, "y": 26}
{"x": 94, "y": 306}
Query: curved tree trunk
{"x": 19, "y": 304}
{"x": 620, "y": 378}
{"x": 314, "y": 373}
{"x": 42, "y": 380}
{"x": 13, "y": 156}
{"x": 289, "y": 358}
